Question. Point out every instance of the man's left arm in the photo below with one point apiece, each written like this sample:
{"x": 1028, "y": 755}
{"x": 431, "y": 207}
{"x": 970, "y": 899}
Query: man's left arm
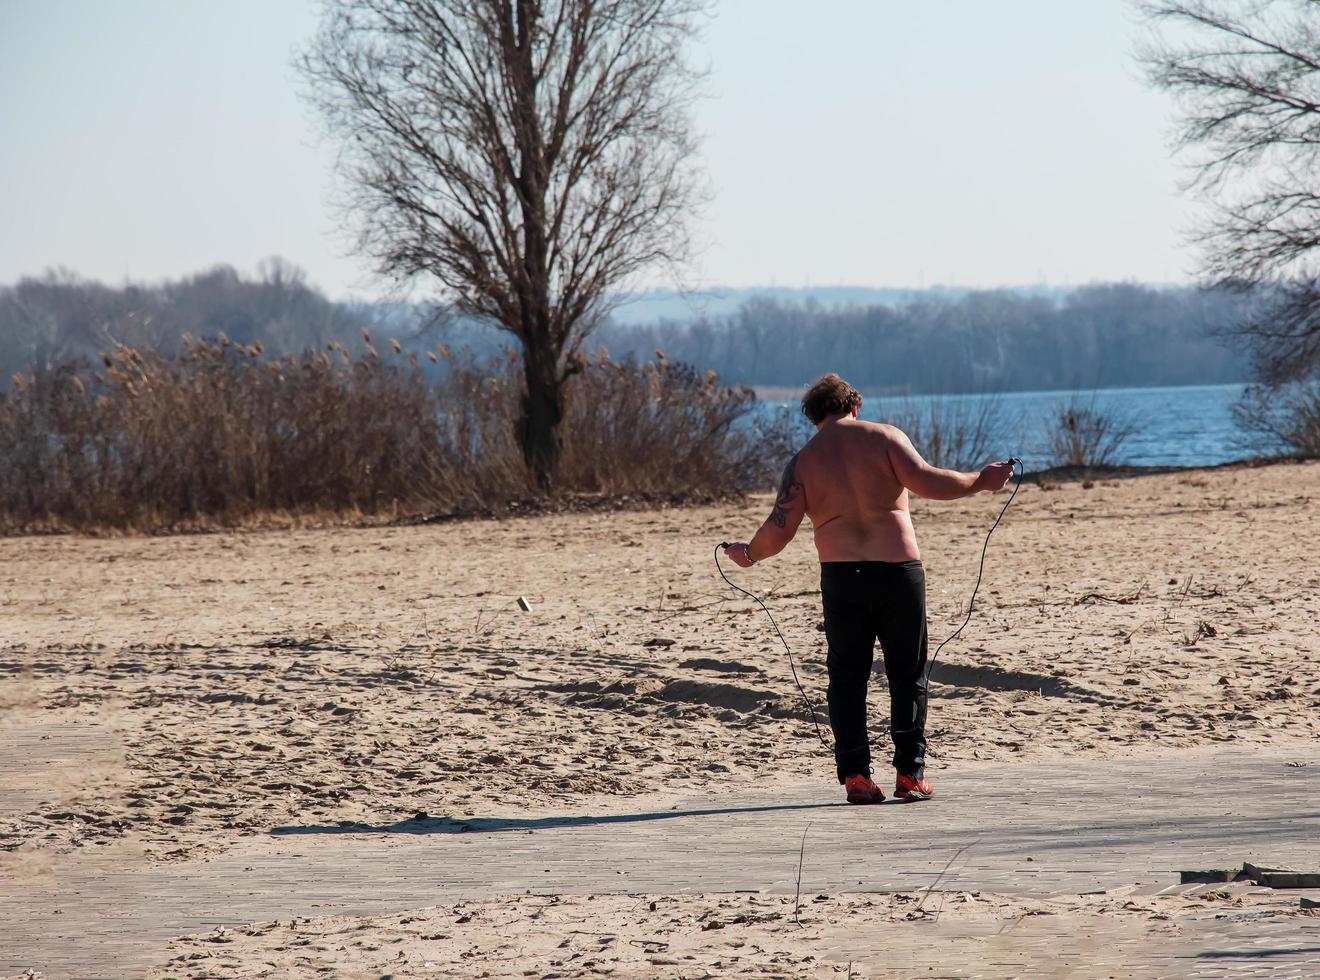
{"x": 778, "y": 530}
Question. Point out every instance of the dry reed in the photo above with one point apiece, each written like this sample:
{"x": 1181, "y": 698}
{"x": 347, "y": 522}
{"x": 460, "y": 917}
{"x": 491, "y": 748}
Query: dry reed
{"x": 221, "y": 433}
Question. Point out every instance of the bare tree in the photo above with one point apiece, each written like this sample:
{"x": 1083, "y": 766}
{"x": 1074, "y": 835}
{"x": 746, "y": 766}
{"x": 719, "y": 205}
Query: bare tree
{"x": 529, "y": 156}
{"x": 1247, "y": 77}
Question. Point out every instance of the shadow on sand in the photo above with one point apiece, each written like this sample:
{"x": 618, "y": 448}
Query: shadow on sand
{"x": 1251, "y": 954}
{"x": 424, "y": 824}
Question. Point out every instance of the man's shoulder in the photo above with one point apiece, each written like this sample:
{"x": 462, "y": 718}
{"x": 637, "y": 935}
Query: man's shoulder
{"x": 873, "y": 435}
{"x": 892, "y": 433}
{"x": 882, "y": 430}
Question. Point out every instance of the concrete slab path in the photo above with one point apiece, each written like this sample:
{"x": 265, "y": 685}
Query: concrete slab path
{"x": 1063, "y": 827}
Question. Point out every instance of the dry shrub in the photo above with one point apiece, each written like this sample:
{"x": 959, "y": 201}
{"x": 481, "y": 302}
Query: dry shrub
{"x": 222, "y": 433}
{"x": 1285, "y": 416}
{"x": 1086, "y": 436}
{"x": 954, "y": 433}
{"x": 660, "y": 428}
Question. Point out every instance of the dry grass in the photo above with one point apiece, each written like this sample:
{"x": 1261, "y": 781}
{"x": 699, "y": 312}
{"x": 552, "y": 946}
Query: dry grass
{"x": 222, "y": 433}
{"x": 1287, "y": 416}
{"x": 956, "y": 433}
{"x": 1086, "y": 436}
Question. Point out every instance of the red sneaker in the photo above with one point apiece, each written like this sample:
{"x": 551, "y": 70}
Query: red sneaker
{"x": 907, "y": 788}
{"x": 862, "y": 791}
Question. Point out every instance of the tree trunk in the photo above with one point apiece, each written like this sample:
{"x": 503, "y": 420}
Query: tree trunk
{"x": 543, "y": 410}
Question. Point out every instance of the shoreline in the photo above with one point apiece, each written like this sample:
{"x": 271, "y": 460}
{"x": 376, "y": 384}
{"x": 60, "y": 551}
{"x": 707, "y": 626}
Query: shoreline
{"x": 582, "y": 503}
{"x": 791, "y": 393}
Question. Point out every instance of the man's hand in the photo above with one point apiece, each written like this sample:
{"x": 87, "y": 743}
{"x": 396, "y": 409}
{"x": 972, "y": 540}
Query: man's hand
{"x": 738, "y": 552}
{"x": 994, "y": 476}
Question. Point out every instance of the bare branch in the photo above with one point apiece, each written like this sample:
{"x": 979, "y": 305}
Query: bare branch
{"x": 1247, "y": 79}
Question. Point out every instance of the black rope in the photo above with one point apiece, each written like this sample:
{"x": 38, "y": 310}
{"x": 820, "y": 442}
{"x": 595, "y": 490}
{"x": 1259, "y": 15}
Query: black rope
{"x": 971, "y": 603}
{"x": 805, "y": 700}
{"x": 981, "y": 570}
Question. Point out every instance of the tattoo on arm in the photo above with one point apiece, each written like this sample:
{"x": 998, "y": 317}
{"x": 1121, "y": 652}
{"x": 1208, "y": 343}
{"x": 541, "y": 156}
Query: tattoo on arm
{"x": 790, "y": 490}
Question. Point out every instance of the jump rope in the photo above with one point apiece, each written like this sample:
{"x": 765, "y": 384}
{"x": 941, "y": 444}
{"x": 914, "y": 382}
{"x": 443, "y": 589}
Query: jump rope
{"x": 1018, "y": 468}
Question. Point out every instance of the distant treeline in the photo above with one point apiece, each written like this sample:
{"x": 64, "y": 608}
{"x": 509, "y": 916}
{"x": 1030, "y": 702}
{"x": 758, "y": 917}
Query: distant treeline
{"x": 59, "y": 317}
{"x": 1095, "y": 336}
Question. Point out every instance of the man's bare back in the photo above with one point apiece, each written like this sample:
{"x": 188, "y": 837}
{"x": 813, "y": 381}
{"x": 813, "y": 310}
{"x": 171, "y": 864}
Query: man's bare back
{"x": 852, "y": 479}
{"x": 855, "y": 500}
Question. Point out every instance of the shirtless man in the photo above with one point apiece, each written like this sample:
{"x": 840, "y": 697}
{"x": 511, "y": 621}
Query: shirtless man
{"x": 852, "y": 479}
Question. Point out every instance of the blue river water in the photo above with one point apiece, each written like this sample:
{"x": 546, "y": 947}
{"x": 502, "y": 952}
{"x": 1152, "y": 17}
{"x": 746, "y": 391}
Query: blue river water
{"x": 1189, "y": 425}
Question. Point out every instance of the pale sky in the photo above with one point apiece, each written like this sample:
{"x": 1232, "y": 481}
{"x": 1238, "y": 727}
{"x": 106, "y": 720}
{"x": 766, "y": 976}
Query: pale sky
{"x": 847, "y": 142}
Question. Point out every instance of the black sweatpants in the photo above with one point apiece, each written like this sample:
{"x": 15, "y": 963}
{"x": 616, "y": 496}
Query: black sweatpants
{"x": 863, "y": 601}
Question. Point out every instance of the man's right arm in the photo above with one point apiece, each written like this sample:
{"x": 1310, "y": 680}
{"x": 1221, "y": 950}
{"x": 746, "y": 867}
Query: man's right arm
{"x": 935, "y": 483}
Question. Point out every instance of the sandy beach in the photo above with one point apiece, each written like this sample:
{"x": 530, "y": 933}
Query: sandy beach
{"x": 715, "y": 935}
{"x": 364, "y": 676}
